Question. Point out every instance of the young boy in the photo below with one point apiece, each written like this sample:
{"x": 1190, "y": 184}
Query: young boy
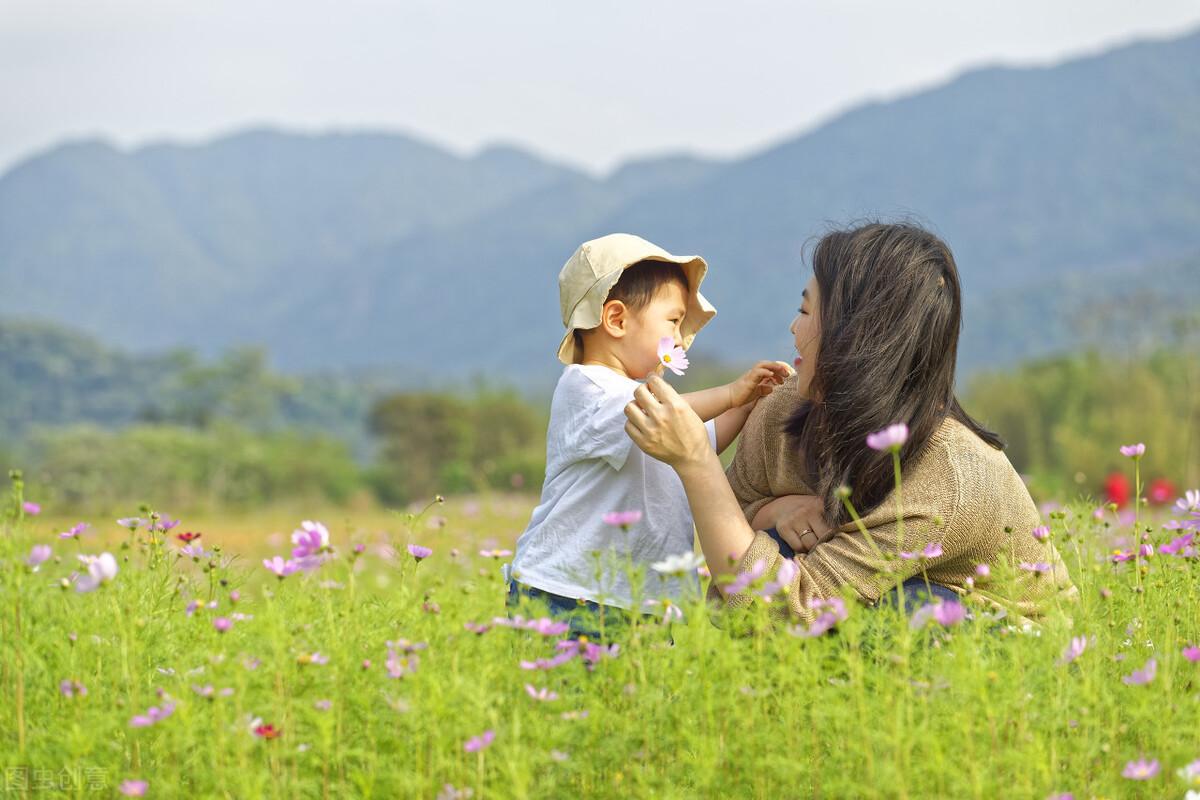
{"x": 620, "y": 296}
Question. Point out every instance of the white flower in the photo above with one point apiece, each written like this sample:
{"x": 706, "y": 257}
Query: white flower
{"x": 678, "y": 565}
{"x": 100, "y": 569}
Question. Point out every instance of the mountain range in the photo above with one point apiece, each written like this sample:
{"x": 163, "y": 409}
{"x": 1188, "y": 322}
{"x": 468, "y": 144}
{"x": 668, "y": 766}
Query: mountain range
{"x": 1061, "y": 189}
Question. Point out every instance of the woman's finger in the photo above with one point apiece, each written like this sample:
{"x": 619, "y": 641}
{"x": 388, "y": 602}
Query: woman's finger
{"x": 643, "y": 398}
{"x": 661, "y": 391}
{"x": 636, "y": 416}
{"x": 791, "y": 533}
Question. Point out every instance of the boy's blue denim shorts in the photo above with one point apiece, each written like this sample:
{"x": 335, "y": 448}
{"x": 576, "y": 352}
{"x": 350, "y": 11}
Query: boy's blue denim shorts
{"x": 585, "y": 617}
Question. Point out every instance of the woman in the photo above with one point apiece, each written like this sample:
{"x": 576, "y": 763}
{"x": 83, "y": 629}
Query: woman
{"x": 876, "y": 340}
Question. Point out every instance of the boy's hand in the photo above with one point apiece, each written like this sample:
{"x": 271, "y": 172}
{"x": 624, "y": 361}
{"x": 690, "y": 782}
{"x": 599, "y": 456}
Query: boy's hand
{"x": 758, "y": 381}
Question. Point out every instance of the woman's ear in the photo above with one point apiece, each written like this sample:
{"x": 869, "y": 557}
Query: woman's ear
{"x": 614, "y": 318}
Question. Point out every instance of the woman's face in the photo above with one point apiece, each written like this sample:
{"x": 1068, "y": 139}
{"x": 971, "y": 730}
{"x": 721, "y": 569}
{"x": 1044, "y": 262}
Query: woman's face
{"x": 806, "y": 333}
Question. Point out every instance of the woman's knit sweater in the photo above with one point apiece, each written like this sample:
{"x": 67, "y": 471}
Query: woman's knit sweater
{"x": 959, "y": 491}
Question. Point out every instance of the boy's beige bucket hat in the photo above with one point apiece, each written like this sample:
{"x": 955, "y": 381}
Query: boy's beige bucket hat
{"x": 589, "y": 275}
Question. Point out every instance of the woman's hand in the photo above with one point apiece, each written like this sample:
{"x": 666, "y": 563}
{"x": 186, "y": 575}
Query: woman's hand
{"x": 798, "y": 518}
{"x": 758, "y": 381}
{"x": 664, "y": 426}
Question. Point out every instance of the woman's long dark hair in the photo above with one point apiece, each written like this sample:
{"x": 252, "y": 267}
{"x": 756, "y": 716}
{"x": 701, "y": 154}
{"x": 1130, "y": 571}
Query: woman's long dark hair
{"x": 890, "y": 314}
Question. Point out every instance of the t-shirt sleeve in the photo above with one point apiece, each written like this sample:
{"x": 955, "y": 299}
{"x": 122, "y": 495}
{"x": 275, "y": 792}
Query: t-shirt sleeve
{"x": 603, "y": 432}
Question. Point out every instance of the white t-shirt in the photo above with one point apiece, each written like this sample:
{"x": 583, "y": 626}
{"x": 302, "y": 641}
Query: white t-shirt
{"x": 592, "y": 468}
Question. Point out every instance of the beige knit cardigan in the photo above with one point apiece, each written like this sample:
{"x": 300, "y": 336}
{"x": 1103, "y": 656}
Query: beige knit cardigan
{"x": 958, "y": 491}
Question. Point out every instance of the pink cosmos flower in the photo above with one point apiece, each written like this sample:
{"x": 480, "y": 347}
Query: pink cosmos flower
{"x": 746, "y": 578}
{"x": 280, "y": 567}
{"x": 1177, "y": 545}
{"x": 622, "y": 519}
{"x": 543, "y": 695}
{"x": 784, "y": 576}
{"x": 132, "y": 788}
{"x": 1133, "y": 450}
{"x": 418, "y": 552}
{"x": 477, "y": 628}
{"x": 945, "y": 613}
{"x": 931, "y": 550}
{"x": 833, "y": 611}
{"x": 495, "y": 553}
{"x": 1121, "y": 556}
{"x": 222, "y": 624}
{"x": 100, "y": 569}
{"x": 38, "y": 555}
{"x": 480, "y": 742}
{"x": 72, "y": 688}
{"x": 323, "y": 705}
{"x": 983, "y": 570}
{"x": 1140, "y": 677}
{"x": 30, "y": 508}
{"x": 1041, "y": 533}
{"x": 1191, "y": 652}
{"x": 400, "y": 665}
{"x": 311, "y": 539}
{"x": 1141, "y": 770}
{"x": 75, "y": 531}
{"x": 1037, "y": 567}
{"x": 1074, "y": 649}
{"x": 1189, "y": 502}
{"x": 152, "y": 716}
{"x": 892, "y": 437}
{"x": 672, "y": 356}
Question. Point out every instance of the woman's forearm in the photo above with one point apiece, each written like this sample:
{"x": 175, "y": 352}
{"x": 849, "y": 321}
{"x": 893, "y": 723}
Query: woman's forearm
{"x": 724, "y": 534}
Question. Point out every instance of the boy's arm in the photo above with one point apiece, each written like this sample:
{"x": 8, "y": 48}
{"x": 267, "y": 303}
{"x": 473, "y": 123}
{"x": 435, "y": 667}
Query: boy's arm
{"x": 711, "y": 403}
{"x": 729, "y": 424}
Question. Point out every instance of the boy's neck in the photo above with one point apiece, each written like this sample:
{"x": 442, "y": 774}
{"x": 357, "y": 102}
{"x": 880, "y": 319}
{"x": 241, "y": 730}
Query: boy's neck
{"x": 603, "y": 357}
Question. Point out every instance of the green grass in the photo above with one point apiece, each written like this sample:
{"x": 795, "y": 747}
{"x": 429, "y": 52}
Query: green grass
{"x": 873, "y": 710}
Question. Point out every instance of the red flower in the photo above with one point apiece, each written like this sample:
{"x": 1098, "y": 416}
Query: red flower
{"x": 1160, "y": 491}
{"x": 187, "y": 538}
{"x": 267, "y": 732}
{"x": 1117, "y": 489}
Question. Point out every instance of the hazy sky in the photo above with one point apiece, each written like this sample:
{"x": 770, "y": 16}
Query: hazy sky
{"x": 591, "y": 83}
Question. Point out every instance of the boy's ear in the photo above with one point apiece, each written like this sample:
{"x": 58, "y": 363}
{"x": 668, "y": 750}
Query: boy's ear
{"x": 614, "y": 318}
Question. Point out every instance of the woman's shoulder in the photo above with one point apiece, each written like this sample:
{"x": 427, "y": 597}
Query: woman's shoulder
{"x": 981, "y": 474}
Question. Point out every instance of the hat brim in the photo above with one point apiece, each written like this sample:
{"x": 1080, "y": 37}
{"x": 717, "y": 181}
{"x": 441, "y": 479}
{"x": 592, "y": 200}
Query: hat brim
{"x": 699, "y": 310}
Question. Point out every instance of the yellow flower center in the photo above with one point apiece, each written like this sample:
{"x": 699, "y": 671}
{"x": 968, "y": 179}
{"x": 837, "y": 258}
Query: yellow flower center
{"x": 666, "y": 358}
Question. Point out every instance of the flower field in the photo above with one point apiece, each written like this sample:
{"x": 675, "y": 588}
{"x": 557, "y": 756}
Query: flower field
{"x": 371, "y": 656}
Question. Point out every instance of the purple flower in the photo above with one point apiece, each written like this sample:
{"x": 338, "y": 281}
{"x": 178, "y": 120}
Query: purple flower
{"x": 75, "y": 532}
{"x": 133, "y": 523}
{"x": 543, "y": 695}
{"x": 38, "y": 555}
{"x": 1141, "y": 770}
{"x": 1177, "y": 545}
{"x": 622, "y": 518}
{"x": 746, "y": 578}
{"x": 72, "y": 688}
{"x": 323, "y": 705}
{"x": 1133, "y": 451}
{"x": 1191, "y": 652}
{"x": 191, "y": 607}
{"x": 1060, "y": 796}
{"x": 222, "y": 624}
{"x": 280, "y": 567}
{"x": 1074, "y": 649}
{"x": 833, "y": 611}
{"x": 1037, "y": 567}
{"x": 480, "y": 742}
{"x": 418, "y": 552}
{"x": 311, "y": 539}
{"x": 1140, "y": 677}
{"x": 983, "y": 570}
{"x": 153, "y": 716}
{"x": 945, "y": 613}
{"x": 131, "y": 788}
{"x": 892, "y": 437}
{"x": 32, "y": 509}
{"x": 1041, "y": 533}
{"x": 1121, "y": 556}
